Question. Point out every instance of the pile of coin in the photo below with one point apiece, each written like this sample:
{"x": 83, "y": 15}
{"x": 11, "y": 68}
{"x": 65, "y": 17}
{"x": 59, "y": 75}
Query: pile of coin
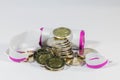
{"x": 61, "y": 41}
{"x": 48, "y": 59}
{"x": 58, "y": 51}
{"x": 55, "y": 51}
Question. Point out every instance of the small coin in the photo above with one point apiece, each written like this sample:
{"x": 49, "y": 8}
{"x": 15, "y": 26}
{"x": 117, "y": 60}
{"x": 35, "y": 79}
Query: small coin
{"x": 74, "y": 61}
{"x": 55, "y": 63}
{"x": 41, "y": 59}
{"x": 42, "y": 55}
{"x": 61, "y": 32}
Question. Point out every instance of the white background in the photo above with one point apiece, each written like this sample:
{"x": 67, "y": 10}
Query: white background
{"x": 99, "y": 18}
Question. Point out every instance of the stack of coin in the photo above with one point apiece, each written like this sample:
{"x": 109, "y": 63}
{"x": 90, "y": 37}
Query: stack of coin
{"x": 61, "y": 41}
{"x": 65, "y": 49}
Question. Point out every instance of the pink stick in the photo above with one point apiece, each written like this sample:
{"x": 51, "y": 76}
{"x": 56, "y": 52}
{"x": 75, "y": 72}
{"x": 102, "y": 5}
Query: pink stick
{"x": 82, "y": 42}
{"x": 97, "y": 66}
{"x": 40, "y": 42}
{"x": 17, "y": 60}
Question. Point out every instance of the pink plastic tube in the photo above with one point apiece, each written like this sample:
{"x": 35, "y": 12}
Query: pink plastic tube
{"x": 17, "y": 60}
{"x": 97, "y": 66}
{"x": 95, "y": 60}
{"x": 40, "y": 42}
{"x": 82, "y": 42}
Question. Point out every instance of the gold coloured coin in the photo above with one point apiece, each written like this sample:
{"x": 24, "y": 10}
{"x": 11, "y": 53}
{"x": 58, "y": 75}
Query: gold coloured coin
{"x": 55, "y": 64}
{"x": 43, "y": 58}
{"x": 61, "y": 32}
{"x": 75, "y": 60}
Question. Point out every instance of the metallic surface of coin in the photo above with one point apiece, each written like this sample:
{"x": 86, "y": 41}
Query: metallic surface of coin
{"x": 43, "y": 58}
{"x": 42, "y": 55}
{"x": 75, "y": 61}
{"x": 55, "y": 63}
{"x": 61, "y": 32}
